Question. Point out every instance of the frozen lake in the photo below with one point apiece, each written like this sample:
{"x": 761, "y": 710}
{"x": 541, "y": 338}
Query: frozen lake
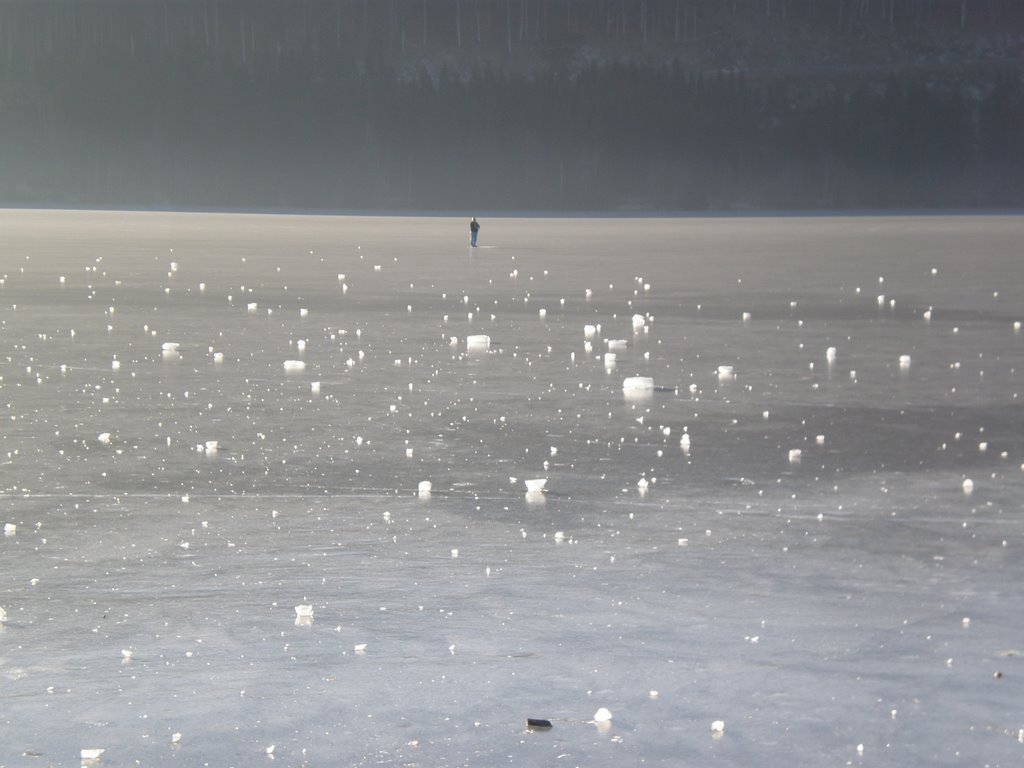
{"x": 209, "y": 420}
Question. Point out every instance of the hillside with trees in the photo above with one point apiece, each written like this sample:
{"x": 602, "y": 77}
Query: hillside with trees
{"x": 512, "y": 104}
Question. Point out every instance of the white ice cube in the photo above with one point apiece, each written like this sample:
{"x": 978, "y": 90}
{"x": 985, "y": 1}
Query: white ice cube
{"x": 637, "y": 383}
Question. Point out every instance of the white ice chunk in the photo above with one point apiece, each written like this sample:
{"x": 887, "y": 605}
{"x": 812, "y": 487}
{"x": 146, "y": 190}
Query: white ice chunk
{"x": 638, "y": 384}
{"x": 304, "y": 611}
{"x": 303, "y": 312}
{"x": 104, "y": 437}
{"x": 92, "y": 753}
{"x": 212, "y": 446}
{"x": 170, "y": 346}
{"x": 639, "y": 321}
{"x": 603, "y": 715}
{"x": 10, "y": 529}
{"x": 904, "y": 361}
{"x": 479, "y": 341}
{"x": 294, "y": 365}
{"x": 618, "y": 345}
{"x": 3, "y": 615}
{"x": 718, "y": 726}
{"x": 536, "y": 485}
{"x": 830, "y": 354}
{"x": 794, "y": 455}
{"x": 589, "y": 331}
{"x": 968, "y": 486}
{"x": 314, "y": 387}
{"x": 425, "y": 486}
{"x": 218, "y": 357}
{"x": 252, "y": 307}
{"x": 819, "y": 439}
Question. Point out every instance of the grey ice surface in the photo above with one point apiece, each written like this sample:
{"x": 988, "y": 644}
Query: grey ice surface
{"x": 857, "y": 596}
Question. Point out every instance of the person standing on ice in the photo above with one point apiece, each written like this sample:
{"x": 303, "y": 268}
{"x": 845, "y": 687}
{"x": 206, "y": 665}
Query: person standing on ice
{"x": 474, "y": 227}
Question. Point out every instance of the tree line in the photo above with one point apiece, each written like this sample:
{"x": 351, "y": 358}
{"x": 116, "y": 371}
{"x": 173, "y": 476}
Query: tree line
{"x": 122, "y": 110}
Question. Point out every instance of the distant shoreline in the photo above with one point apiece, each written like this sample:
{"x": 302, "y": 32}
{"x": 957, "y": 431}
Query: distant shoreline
{"x": 566, "y": 214}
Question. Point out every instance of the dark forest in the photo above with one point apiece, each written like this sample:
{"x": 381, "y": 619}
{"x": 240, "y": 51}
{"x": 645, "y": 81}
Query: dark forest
{"x": 512, "y": 104}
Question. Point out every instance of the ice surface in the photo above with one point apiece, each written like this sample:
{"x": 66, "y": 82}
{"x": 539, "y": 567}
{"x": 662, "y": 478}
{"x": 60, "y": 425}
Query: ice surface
{"x": 800, "y": 603}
